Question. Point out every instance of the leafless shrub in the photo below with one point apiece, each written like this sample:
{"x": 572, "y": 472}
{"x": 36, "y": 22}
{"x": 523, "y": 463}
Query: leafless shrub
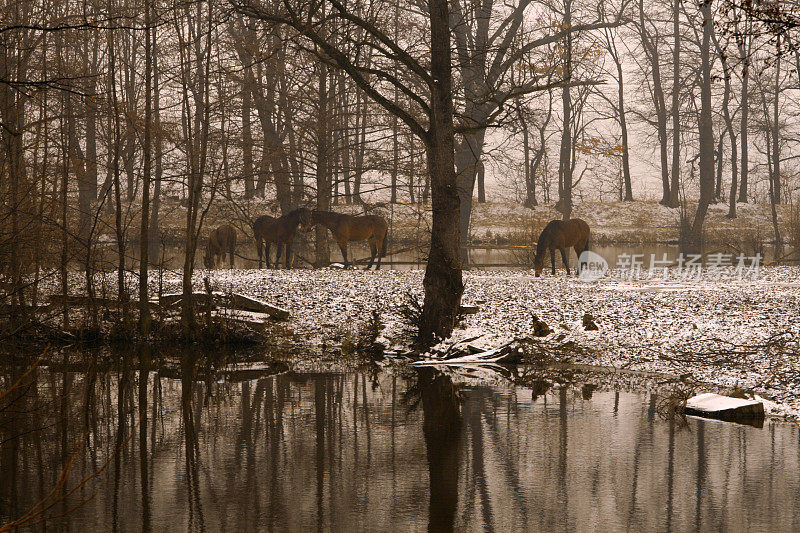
{"x": 671, "y": 406}
{"x": 363, "y": 341}
{"x": 411, "y": 313}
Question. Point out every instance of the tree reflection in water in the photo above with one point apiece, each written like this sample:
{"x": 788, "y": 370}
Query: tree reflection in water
{"x": 262, "y": 450}
{"x": 442, "y": 428}
{"x": 195, "y": 520}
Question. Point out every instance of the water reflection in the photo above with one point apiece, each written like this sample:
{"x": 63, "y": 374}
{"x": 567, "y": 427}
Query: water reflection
{"x": 189, "y": 449}
{"x": 442, "y": 423}
{"x": 487, "y": 257}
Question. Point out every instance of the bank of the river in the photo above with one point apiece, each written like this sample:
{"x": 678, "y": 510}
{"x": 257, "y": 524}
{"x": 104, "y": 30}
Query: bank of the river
{"x": 731, "y": 333}
{"x": 505, "y": 222}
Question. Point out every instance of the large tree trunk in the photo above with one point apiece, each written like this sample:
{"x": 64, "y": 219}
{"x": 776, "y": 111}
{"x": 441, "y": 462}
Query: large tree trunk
{"x": 144, "y": 234}
{"x": 467, "y": 157}
{"x": 651, "y": 51}
{"x": 720, "y": 160}
{"x": 12, "y": 113}
{"x": 481, "y": 182}
{"x": 361, "y": 146}
{"x": 155, "y": 208}
{"x": 706, "y": 133}
{"x": 674, "y": 201}
{"x": 530, "y": 192}
{"x": 744, "y": 57}
{"x": 726, "y": 113}
{"x": 122, "y": 293}
{"x": 274, "y": 151}
{"x": 623, "y": 125}
{"x": 443, "y": 283}
{"x": 776, "y": 146}
{"x": 195, "y": 73}
{"x": 565, "y": 153}
{"x": 321, "y": 249}
{"x": 87, "y": 187}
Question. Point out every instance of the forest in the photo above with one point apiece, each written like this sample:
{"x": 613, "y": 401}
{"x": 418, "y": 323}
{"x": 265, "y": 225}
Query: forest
{"x": 155, "y": 376}
{"x": 129, "y": 125}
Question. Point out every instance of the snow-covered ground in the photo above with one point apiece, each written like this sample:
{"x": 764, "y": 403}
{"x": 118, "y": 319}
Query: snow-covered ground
{"x": 728, "y": 332}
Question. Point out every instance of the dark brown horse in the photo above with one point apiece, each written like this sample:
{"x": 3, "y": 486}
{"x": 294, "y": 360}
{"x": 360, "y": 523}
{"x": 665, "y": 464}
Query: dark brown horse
{"x": 221, "y": 241}
{"x": 560, "y": 235}
{"x": 348, "y": 228}
{"x": 281, "y": 231}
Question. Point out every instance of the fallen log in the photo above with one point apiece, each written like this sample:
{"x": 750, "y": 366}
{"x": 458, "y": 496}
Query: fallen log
{"x": 200, "y": 298}
{"x": 246, "y": 303}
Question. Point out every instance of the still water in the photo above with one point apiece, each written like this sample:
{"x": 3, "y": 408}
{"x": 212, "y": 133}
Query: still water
{"x": 480, "y": 257}
{"x": 189, "y": 449}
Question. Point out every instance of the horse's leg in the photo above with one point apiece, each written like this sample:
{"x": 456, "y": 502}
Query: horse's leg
{"x": 343, "y": 248}
{"x": 564, "y": 259}
{"x": 259, "y": 245}
{"x": 278, "y": 252}
{"x": 553, "y": 259}
{"x": 373, "y": 247}
{"x": 289, "y": 256}
{"x": 382, "y": 247}
{"x": 266, "y": 253}
{"x": 579, "y": 249}
{"x": 231, "y": 252}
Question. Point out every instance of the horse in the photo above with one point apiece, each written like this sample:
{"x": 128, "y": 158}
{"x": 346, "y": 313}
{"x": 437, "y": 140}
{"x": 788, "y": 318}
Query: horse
{"x": 349, "y": 228}
{"x": 220, "y": 241}
{"x": 561, "y": 235}
{"x": 281, "y": 231}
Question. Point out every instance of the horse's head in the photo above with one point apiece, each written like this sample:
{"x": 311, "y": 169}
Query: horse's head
{"x": 305, "y": 218}
{"x": 207, "y": 261}
{"x": 537, "y": 264}
{"x": 538, "y": 259}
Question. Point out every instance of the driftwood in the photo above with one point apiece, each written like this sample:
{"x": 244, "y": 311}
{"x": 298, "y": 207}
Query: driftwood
{"x": 238, "y": 302}
{"x": 510, "y": 352}
{"x": 200, "y": 298}
{"x": 238, "y": 306}
{"x": 245, "y": 303}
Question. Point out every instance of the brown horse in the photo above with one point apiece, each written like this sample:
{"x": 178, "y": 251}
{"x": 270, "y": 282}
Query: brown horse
{"x": 221, "y": 241}
{"x": 561, "y": 235}
{"x": 281, "y": 231}
{"x": 348, "y": 228}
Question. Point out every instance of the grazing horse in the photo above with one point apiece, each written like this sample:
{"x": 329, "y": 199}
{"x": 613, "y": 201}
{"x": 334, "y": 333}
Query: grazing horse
{"x": 221, "y": 241}
{"x": 281, "y": 231}
{"x": 561, "y": 235}
{"x": 348, "y": 228}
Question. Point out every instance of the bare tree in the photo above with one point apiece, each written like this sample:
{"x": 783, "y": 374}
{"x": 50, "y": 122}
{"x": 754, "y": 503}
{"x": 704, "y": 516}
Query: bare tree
{"x": 650, "y": 45}
{"x": 434, "y": 104}
{"x": 706, "y": 132}
{"x": 620, "y": 111}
